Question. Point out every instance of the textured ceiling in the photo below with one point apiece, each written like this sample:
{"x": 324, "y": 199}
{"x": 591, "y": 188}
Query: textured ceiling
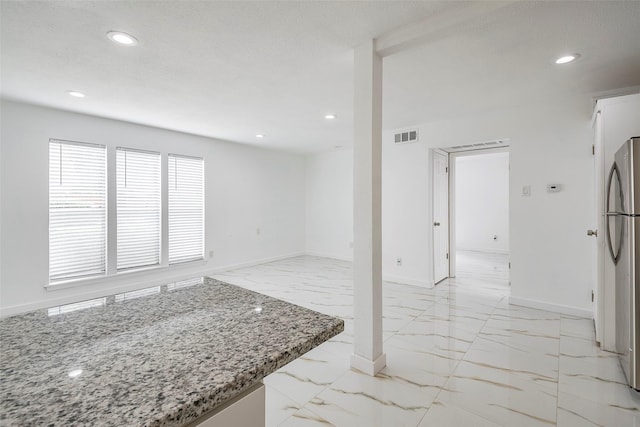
{"x": 230, "y": 70}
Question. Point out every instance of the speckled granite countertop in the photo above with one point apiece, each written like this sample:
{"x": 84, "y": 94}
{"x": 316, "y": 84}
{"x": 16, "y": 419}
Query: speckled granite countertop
{"x": 158, "y": 357}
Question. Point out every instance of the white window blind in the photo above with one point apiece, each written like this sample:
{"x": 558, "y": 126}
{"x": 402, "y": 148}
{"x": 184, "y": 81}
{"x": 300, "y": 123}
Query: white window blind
{"x": 186, "y": 208}
{"x": 138, "y": 209}
{"x": 77, "y": 210}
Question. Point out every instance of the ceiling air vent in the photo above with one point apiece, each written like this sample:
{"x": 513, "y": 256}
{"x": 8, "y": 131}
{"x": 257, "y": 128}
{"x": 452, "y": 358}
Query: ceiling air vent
{"x": 406, "y": 136}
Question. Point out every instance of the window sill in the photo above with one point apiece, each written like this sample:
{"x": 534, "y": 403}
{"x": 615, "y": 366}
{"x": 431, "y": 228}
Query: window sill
{"x": 73, "y": 283}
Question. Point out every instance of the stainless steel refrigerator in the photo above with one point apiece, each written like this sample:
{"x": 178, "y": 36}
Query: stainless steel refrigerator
{"x": 623, "y": 238}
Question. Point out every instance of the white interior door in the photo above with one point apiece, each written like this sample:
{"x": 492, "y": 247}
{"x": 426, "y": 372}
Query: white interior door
{"x": 617, "y": 122}
{"x": 599, "y": 222}
{"x": 440, "y": 216}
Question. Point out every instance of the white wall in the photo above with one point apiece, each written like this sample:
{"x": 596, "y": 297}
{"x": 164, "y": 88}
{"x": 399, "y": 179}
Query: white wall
{"x": 246, "y": 189}
{"x": 482, "y": 202}
{"x": 550, "y": 251}
{"x": 329, "y": 220}
{"x": 329, "y": 204}
{"x": 406, "y": 212}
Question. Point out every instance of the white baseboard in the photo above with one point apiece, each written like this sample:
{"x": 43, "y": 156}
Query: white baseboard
{"x": 408, "y": 281}
{"x": 547, "y": 306}
{"x": 253, "y": 262}
{"x": 330, "y": 256}
{"x": 140, "y": 282}
{"x": 369, "y": 367}
{"x": 485, "y": 250}
{"x": 385, "y": 277}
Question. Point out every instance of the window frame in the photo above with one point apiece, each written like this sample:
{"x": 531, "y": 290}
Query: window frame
{"x": 77, "y": 277}
{"x": 202, "y": 195}
{"x": 112, "y": 274}
{"x": 160, "y": 236}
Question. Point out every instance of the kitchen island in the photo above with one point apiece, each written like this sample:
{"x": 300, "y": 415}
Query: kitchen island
{"x": 169, "y": 355}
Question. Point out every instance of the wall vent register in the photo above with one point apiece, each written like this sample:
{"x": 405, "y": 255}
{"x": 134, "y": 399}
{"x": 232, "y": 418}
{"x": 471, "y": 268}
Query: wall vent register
{"x": 406, "y": 136}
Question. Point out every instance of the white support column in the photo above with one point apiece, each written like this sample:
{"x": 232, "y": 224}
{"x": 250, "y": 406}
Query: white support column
{"x": 367, "y": 211}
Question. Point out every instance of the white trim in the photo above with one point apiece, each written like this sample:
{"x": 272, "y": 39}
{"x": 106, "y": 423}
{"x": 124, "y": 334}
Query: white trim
{"x": 488, "y": 150}
{"x": 369, "y": 367}
{"x": 453, "y": 249}
{"x": 548, "y": 306}
{"x": 74, "y": 283}
{"x": 408, "y": 281}
{"x": 596, "y": 112}
{"x": 164, "y": 211}
{"x": 112, "y": 223}
{"x": 385, "y": 277}
{"x": 614, "y": 93}
{"x": 254, "y": 262}
{"x": 600, "y": 250}
{"x": 330, "y": 256}
{"x": 485, "y": 250}
{"x": 98, "y": 293}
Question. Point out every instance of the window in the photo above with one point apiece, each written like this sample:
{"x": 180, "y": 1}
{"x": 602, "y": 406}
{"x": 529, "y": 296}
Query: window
{"x": 145, "y": 210}
{"x": 138, "y": 208}
{"x": 186, "y": 209}
{"x": 77, "y": 210}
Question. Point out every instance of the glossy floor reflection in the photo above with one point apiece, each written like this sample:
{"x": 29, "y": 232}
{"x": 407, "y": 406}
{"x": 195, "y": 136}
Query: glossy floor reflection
{"x": 457, "y": 355}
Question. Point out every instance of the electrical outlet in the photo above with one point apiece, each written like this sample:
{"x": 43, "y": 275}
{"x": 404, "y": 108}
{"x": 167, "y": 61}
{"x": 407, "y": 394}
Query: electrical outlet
{"x": 399, "y": 262}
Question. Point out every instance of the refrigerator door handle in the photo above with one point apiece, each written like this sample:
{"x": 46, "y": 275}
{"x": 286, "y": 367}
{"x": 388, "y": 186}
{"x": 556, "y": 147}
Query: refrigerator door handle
{"x": 615, "y": 256}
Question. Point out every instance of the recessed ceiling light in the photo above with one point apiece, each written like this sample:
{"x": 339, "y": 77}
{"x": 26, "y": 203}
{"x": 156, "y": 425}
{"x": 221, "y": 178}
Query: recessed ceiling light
{"x": 259, "y": 135}
{"x": 567, "y": 58}
{"x": 76, "y": 94}
{"x": 330, "y": 116}
{"x": 122, "y": 38}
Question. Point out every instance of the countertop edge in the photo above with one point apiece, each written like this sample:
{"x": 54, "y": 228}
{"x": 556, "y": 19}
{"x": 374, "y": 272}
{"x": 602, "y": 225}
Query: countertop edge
{"x": 193, "y": 409}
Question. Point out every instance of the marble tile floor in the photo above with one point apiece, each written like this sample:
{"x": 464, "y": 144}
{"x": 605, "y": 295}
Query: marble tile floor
{"x": 457, "y": 355}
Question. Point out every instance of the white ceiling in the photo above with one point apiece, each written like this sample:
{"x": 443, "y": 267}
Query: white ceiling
{"x": 234, "y": 69}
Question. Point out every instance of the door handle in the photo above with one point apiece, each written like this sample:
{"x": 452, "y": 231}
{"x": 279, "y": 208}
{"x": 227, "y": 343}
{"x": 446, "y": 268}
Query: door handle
{"x": 593, "y": 233}
{"x": 615, "y": 256}
{"x": 436, "y": 224}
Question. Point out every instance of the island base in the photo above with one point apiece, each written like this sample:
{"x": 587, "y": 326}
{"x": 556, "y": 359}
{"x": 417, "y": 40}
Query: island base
{"x": 244, "y": 410}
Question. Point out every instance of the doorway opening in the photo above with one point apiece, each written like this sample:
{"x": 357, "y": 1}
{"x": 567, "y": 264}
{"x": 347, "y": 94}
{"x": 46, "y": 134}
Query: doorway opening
{"x": 477, "y": 212}
{"x": 480, "y": 214}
